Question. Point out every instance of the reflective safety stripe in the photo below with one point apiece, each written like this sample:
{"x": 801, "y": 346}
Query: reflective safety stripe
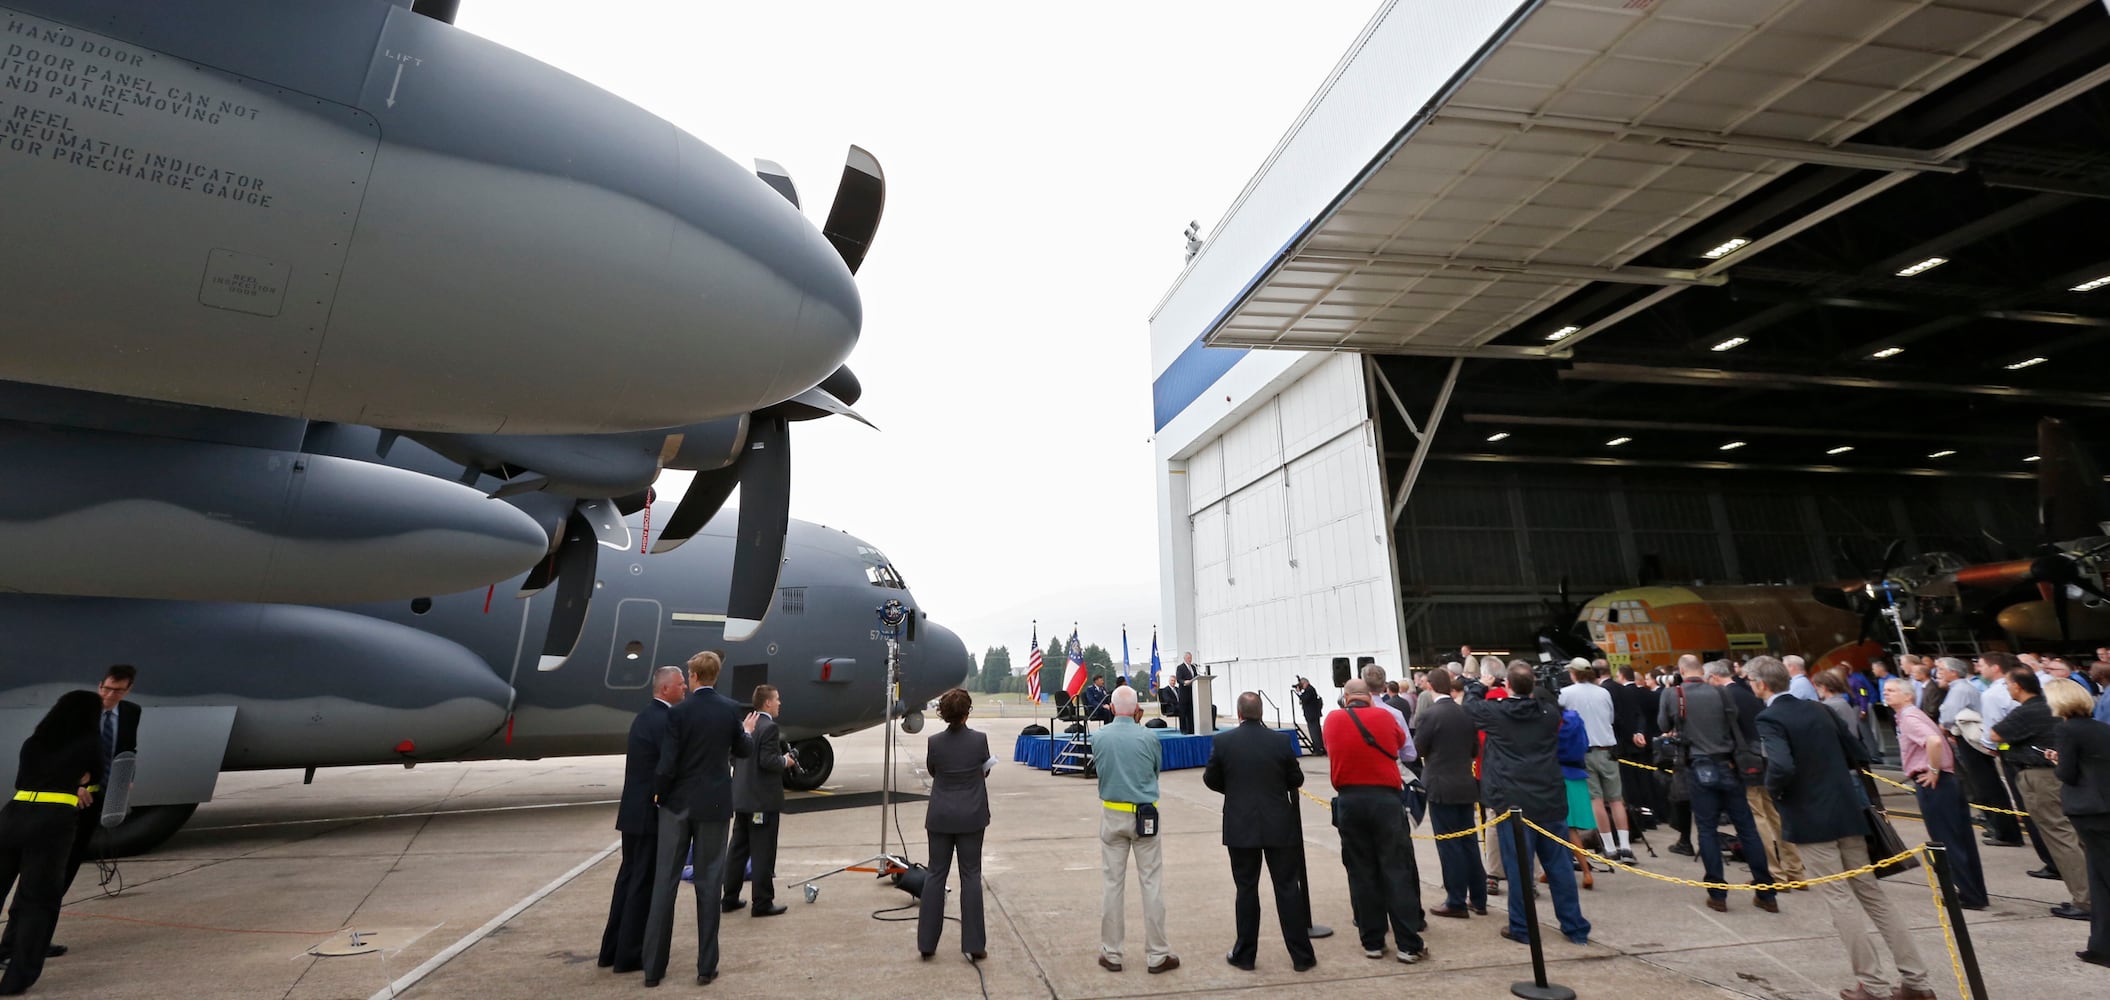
{"x": 95, "y": 788}
{"x": 61, "y": 798}
{"x": 1127, "y": 807}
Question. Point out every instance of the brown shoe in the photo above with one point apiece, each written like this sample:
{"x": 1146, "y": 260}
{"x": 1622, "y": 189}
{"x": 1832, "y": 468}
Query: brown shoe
{"x": 1717, "y": 905}
{"x": 1912, "y": 993}
{"x": 1170, "y": 963}
{"x": 1857, "y": 993}
{"x": 1767, "y": 905}
{"x": 1445, "y": 911}
{"x": 1109, "y": 964}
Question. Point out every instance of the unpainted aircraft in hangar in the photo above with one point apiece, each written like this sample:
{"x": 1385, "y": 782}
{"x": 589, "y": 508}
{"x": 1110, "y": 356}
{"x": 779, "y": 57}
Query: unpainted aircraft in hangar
{"x": 1940, "y": 601}
{"x": 317, "y": 310}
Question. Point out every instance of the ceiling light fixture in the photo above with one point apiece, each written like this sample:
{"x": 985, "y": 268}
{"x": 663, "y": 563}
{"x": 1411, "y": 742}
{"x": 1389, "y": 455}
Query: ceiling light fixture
{"x": 1923, "y": 267}
{"x": 1728, "y": 247}
{"x": 1497, "y": 436}
{"x": 1732, "y": 446}
{"x": 2089, "y": 286}
{"x": 1563, "y": 333}
{"x": 1616, "y": 442}
{"x": 2025, "y": 363}
{"x": 2032, "y": 458}
{"x": 1888, "y": 352}
{"x": 1841, "y": 450}
{"x": 1731, "y": 344}
{"x": 1944, "y": 453}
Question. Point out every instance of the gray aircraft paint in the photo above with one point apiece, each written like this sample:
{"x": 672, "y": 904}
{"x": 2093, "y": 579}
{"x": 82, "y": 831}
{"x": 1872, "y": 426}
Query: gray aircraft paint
{"x": 448, "y": 207}
{"x": 339, "y": 686}
{"x": 128, "y": 515}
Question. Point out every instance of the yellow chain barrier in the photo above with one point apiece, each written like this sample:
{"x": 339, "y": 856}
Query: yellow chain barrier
{"x": 1926, "y": 865}
{"x": 1872, "y": 774}
{"x": 1489, "y": 825}
{"x": 1696, "y": 883}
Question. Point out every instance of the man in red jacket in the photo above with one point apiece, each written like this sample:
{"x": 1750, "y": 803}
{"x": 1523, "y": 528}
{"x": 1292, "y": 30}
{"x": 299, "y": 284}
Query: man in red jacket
{"x": 1363, "y": 744}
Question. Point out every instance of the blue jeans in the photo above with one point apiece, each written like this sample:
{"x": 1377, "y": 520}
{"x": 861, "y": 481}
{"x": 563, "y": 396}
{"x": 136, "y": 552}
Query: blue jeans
{"x": 1716, "y": 789}
{"x": 1552, "y": 852}
{"x": 1464, "y": 876}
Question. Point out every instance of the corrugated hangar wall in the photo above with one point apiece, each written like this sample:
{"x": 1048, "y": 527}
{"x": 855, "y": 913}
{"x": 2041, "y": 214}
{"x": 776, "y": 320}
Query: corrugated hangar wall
{"x": 1291, "y": 566}
{"x": 1484, "y": 548}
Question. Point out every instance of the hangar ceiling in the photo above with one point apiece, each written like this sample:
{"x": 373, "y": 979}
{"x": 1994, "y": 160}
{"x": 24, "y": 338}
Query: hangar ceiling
{"x": 1740, "y": 235}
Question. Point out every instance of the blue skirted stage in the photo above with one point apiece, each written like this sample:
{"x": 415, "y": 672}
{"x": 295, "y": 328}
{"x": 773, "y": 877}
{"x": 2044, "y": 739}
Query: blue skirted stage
{"x": 1175, "y": 750}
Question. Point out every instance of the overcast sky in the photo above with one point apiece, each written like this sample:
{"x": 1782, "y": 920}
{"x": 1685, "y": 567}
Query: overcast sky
{"x": 1041, "y": 161}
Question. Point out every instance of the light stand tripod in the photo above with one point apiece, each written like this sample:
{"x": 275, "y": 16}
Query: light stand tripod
{"x": 892, "y": 617}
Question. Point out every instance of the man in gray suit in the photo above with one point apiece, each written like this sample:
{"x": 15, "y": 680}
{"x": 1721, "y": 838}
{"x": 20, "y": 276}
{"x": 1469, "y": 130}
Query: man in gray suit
{"x": 758, "y": 806}
{"x": 695, "y": 786}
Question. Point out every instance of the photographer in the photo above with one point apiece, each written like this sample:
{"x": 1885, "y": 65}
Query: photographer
{"x": 1308, "y": 699}
{"x": 1520, "y": 767}
{"x": 1704, "y": 719}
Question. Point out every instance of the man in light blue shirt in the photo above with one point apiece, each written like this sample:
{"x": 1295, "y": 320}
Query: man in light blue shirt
{"x": 1798, "y": 681}
{"x": 1128, "y": 759}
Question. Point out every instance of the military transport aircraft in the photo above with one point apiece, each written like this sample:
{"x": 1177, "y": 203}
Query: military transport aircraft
{"x": 243, "y": 685}
{"x": 347, "y": 210}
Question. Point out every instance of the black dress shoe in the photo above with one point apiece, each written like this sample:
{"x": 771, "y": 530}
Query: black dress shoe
{"x": 2092, "y": 958}
{"x": 976, "y": 956}
{"x": 768, "y": 911}
{"x": 624, "y": 970}
{"x": 705, "y": 979}
{"x": 2046, "y": 872}
{"x": 1681, "y": 847}
{"x": 1314, "y": 963}
{"x": 2070, "y": 912}
{"x": 56, "y": 951}
{"x": 1236, "y": 964}
{"x": 604, "y": 962}
{"x": 651, "y": 983}
{"x": 729, "y": 905}
{"x": 1478, "y": 911}
{"x": 1997, "y": 842}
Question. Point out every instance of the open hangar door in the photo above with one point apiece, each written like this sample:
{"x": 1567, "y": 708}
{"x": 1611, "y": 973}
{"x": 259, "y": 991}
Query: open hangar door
{"x": 1737, "y": 293}
{"x": 1291, "y": 567}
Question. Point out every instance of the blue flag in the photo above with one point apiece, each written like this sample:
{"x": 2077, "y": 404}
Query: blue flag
{"x": 1124, "y": 654}
{"x": 1153, "y": 659}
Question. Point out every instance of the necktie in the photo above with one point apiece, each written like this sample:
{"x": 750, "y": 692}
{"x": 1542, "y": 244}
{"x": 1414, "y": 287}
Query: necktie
{"x": 109, "y": 738}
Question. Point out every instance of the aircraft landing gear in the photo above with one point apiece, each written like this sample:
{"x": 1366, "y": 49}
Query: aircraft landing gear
{"x": 816, "y": 762}
{"x": 144, "y": 829}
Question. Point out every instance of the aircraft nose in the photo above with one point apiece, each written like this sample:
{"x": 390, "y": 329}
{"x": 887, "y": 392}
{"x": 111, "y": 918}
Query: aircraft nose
{"x": 940, "y": 663}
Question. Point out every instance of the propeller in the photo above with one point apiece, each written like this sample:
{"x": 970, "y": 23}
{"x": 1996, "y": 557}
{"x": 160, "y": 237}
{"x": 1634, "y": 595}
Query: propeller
{"x": 1876, "y": 591}
{"x": 2070, "y": 496}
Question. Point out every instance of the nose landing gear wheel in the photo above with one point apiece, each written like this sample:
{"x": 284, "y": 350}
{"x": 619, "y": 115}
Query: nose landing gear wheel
{"x": 816, "y": 762}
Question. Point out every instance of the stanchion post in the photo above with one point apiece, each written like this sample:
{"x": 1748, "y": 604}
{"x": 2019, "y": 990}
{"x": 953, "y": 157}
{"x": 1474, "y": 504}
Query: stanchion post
{"x": 1938, "y": 858}
{"x": 1524, "y": 890}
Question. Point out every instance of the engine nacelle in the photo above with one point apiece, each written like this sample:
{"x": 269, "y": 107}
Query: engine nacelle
{"x": 95, "y": 514}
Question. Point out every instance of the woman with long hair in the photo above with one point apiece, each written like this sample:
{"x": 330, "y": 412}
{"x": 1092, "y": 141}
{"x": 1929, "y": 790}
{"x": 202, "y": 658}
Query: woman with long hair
{"x": 37, "y": 826}
{"x": 956, "y": 817}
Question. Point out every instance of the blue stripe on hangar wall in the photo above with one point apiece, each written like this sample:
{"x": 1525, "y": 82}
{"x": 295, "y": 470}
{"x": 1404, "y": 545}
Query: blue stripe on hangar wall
{"x": 1198, "y": 367}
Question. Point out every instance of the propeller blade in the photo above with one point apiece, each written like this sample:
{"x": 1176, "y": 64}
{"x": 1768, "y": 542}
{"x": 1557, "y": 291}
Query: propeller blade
{"x": 1890, "y": 557}
{"x": 815, "y": 403}
{"x": 774, "y": 175}
{"x": 2072, "y": 500}
{"x": 607, "y": 523}
{"x": 2056, "y": 594}
{"x": 859, "y": 200}
{"x": 577, "y": 559}
{"x": 843, "y": 385}
{"x": 707, "y": 493}
{"x": 765, "y": 514}
{"x": 1831, "y": 597}
{"x": 632, "y": 503}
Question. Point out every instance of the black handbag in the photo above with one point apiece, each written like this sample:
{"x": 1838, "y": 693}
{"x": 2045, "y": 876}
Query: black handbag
{"x": 1884, "y": 842}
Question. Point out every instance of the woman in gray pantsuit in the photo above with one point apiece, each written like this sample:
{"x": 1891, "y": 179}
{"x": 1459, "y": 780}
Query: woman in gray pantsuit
{"x": 958, "y": 812}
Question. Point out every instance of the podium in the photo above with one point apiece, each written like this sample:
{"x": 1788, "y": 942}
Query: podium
{"x": 1205, "y": 704}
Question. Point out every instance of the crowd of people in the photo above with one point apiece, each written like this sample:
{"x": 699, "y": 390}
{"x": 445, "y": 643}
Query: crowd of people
{"x": 1779, "y": 754}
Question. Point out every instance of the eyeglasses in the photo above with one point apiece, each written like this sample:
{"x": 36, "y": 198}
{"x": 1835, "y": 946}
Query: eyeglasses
{"x": 114, "y": 688}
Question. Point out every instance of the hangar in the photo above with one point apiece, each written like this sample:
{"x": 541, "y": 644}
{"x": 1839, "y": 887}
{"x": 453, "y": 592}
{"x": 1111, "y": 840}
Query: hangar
{"x": 1594, "y": 292}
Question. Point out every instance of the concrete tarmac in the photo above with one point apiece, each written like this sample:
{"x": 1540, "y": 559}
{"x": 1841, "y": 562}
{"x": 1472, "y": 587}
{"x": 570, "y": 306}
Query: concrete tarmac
{"x": 492, "y": 880}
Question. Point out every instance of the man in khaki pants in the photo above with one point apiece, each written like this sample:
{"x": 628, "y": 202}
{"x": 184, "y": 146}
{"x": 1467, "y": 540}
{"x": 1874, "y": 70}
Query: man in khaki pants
{"x": 1127, "y": 757}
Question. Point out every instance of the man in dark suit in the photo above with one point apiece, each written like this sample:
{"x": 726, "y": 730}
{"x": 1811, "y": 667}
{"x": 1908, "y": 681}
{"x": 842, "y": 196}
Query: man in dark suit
{"x": 117, "y": 731}
{"x": 694, "y": 781}
{"x": 637, "y": 818}
{"x": 1184, "y": 676}
{"x": 1810, "y": 765}
{"x": 758, "y": 807}
{"x": 1256, "y": 770}
{"x": 1448, "y": 743}
{"x": 1308, "y": 699}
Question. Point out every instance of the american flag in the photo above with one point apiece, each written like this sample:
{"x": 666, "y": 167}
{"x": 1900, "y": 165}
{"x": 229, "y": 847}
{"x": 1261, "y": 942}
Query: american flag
{"x": 1073, "y": 675}
{"x": 1033, "y": 668}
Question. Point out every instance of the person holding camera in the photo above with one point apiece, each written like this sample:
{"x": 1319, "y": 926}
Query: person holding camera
{"x": 1308, "y": 699}
{"x": 1520, "y": 768}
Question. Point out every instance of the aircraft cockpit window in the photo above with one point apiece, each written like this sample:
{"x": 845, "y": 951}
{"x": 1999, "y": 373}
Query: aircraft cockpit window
{"x": 883, "y": 575}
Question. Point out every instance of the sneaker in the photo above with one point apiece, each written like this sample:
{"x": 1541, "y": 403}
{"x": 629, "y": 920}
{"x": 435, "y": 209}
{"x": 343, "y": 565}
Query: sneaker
{"x": 1626, "y": 855}
{"x": 1373, "y": 953}
{"x": 1411, "y": 957}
